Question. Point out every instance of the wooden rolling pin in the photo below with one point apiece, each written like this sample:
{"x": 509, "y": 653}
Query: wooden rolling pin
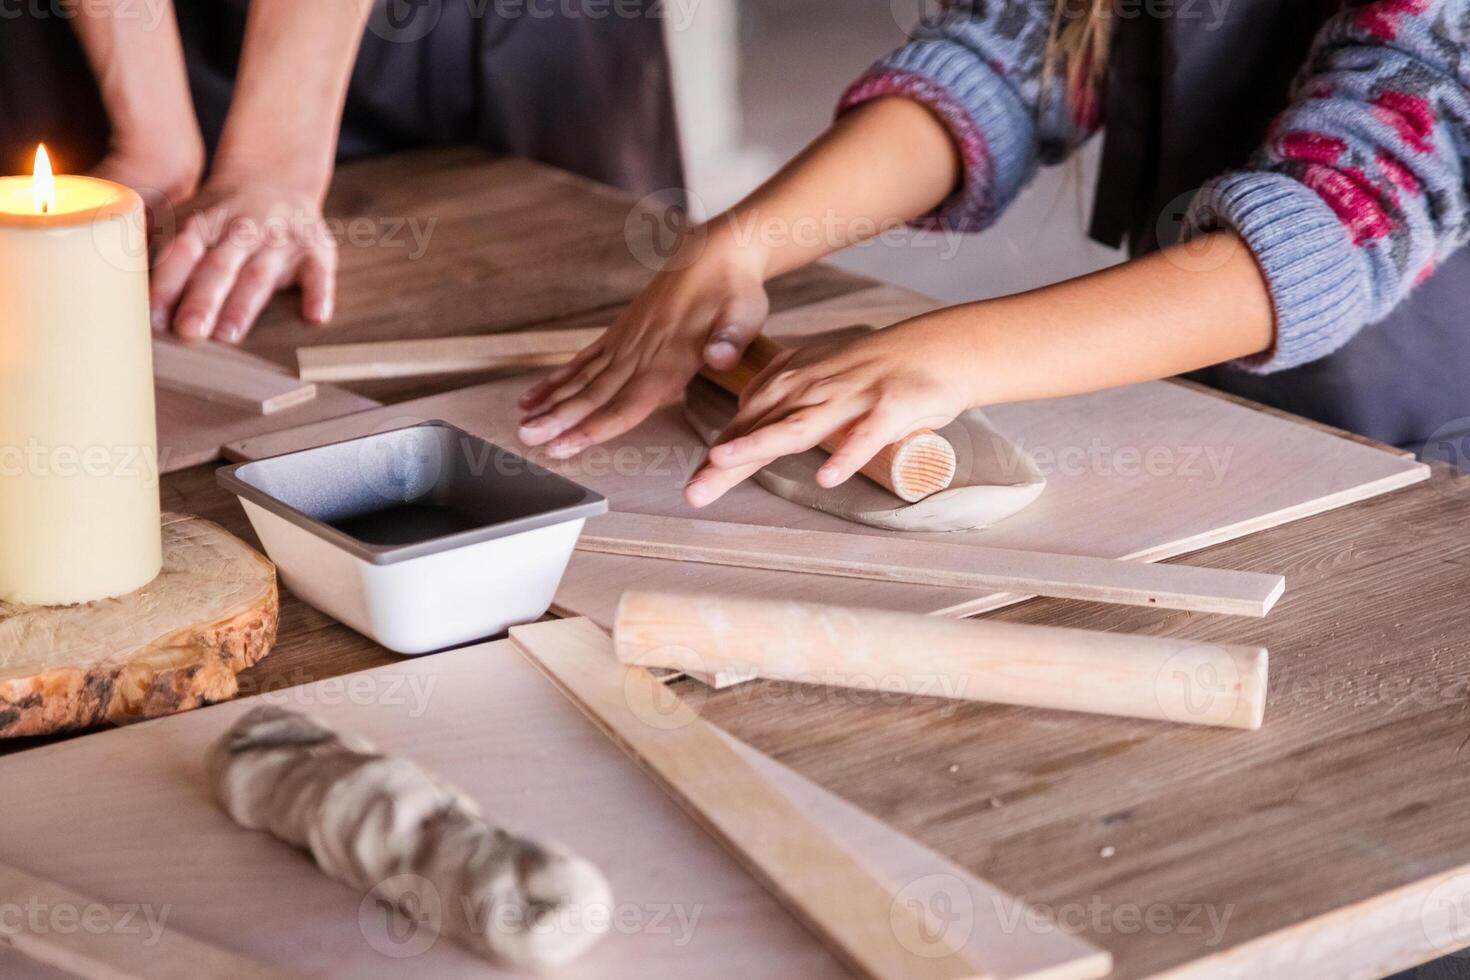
{"x": 973, "y": 660}
{"x": 919, "y": 464}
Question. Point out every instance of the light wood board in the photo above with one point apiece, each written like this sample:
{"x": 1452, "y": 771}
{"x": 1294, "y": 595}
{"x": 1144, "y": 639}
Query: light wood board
{"x": 1144, "y": 472}
{"x": 442, "y": 355}
{"x": 217, "y": 373}
{"x": 82, "y": 937}
{"x": 822, "y": 884}
{"x": 485, "y": 719}
{"x": 192, "y": 431}
{"x": 936, "y": 563}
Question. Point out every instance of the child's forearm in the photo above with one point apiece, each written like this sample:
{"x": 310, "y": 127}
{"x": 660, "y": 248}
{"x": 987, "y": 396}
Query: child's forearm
{"x": 879, "y": 166}
{"x": 1184, "y": 308}
{"x": 292, "y": 83}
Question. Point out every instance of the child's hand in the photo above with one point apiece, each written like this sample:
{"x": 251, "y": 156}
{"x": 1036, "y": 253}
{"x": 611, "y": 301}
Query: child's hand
{"x": 704, "y": 313}
{"x": 872, "y": 391}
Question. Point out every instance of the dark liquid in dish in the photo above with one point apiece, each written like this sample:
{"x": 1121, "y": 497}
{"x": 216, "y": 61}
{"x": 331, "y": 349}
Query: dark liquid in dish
{"x": 410, "y": 523}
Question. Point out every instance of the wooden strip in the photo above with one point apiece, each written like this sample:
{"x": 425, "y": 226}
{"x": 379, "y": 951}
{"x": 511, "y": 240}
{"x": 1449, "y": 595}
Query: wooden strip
{"x": 97, "y": 940}
{"x": 928, "y": 562}
{"x": 821, "y": 883}
{"x": 918, "y": 465}
{"x": 964, "y": 903}
{"x": 1162, "y": 679}
{"x": 445, "y": 355}
{"x": 218, "y": 374}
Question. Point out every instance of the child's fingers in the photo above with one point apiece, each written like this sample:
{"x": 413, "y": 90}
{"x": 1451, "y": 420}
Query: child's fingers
{"x": 544, "y": 428}
{"x": 860, "y": 445}
{"x": 761, "y": 388}
{"x": 634, "y": 403}
{"x": 711, "y": 483}
{"x": 577, "y": 378}
{"x": 537, "y": 393}
{"x": 795, "y": 432}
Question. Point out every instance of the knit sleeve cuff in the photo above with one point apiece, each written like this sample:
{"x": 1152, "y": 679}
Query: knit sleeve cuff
{"x": 985, "y": 117}
{"x": 1314, "y": 273}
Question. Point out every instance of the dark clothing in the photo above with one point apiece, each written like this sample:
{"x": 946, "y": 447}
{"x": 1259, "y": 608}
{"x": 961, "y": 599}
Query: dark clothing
{"x": 588, "y": 91}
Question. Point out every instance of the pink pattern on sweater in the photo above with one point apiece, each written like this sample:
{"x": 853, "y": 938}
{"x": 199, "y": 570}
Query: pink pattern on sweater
{"x": 1411, "y": 116}
{"x": 1401, "y": 176}
{"x": 1350, "y": 195}
{"x": 1383, "y": 19}
{"x": 1311, "y": 148}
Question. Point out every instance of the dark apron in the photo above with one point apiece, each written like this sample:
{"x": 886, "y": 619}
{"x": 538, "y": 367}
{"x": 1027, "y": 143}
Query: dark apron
{"x": 590, "y": 93}
{"x": 1187, "y": 102}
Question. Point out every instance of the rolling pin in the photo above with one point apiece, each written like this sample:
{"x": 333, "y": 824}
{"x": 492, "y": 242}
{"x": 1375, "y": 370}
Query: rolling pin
{"x": 919, "y": 464}
{"x": 1157, "y": 678}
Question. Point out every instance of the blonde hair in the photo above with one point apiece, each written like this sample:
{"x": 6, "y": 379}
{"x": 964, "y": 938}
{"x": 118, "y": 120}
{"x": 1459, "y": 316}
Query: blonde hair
{"x": 1077, "y": 47}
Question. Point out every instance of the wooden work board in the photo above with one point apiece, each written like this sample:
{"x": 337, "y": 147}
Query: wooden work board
{"x": 1145, "y": 472}
{"x": 485, "y": 719}
{"x": 193, "y": 428}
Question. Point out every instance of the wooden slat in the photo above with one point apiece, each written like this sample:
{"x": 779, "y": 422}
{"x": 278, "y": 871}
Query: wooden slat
{"x": 99, "y": 940}
{"x": 818, "y": 881}
{"x": 927, "y": 562}
{"x": 442, "y": 355}
{"x": 218, "y": 374}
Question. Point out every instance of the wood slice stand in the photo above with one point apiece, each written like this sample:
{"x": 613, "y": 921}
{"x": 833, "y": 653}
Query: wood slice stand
{"x": 175, "y": 644}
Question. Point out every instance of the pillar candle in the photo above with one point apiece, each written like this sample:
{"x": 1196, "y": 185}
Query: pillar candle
{"x": 79, "y": 504}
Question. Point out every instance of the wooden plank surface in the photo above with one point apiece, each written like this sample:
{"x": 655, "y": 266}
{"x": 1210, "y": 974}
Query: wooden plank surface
{"x": 47, "y": 923}
{"x": 1226, "y": 471}
{"x": 442, "y": 355}
{"x": 484, "y": 719}
{"x": 936, "y": 563}
{"x": 1321, "y": 842}
{"x": 822, "y": 884}
{"x": 192, "y": 431}
{"x": 228, "y": 376}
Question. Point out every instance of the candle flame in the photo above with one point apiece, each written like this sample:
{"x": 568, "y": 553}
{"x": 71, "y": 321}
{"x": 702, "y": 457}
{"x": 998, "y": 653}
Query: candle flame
{"x": 43, "y": 184}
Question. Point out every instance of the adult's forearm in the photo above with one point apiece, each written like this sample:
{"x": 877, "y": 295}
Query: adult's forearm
{"x": 290, "y": 89}
{"x": 1187, "y": 307}
{"x": 138, "y": 61}
{"x": 879, "y": 166}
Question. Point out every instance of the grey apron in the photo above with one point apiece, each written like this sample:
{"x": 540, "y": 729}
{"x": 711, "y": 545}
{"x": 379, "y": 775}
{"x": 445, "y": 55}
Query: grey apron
{"x": 1189, "y": 99}
{"x": 580, "y": 84}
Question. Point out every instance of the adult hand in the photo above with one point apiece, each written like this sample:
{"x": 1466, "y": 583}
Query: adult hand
{"x": 236, "y": 244}
{"x": 705, "y": 311}
{"x": 164, "y": 179}
{"x": 870, "y": 392}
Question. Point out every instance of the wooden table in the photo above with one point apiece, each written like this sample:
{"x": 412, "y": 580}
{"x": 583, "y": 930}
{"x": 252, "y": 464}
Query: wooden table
{"x": 1311, "y": 848}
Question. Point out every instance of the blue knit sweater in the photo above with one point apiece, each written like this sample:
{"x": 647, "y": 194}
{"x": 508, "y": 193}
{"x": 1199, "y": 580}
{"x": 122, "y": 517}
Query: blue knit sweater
{"x": 1357, "y": 191}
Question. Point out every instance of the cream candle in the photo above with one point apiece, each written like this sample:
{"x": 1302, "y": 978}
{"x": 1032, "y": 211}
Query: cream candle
{"x": 79, "y": 506}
